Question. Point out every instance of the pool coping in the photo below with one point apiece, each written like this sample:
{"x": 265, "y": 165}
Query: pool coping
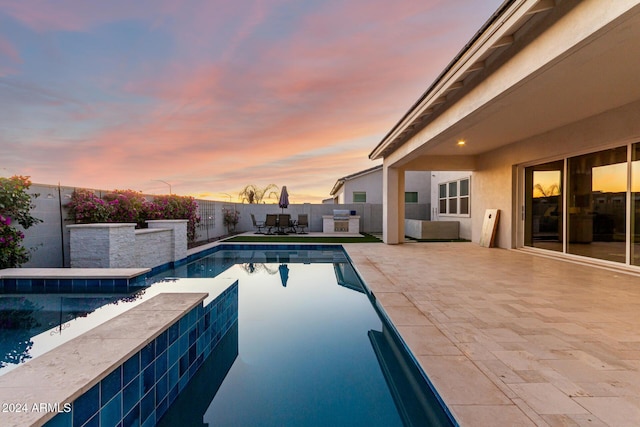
{"x": 76, "y": 366}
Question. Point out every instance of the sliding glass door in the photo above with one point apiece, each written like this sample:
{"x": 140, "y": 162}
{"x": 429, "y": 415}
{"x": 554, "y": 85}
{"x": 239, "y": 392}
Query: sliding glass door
{"x": 587, "y": 205}
{"x": 597, "y": 204}
{"x": 543, "y": 205}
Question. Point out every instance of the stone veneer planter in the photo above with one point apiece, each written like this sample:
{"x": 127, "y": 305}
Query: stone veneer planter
{"x": 120, "y": 245}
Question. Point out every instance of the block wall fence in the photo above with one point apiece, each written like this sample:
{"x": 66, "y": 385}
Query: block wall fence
{"x": 50, "y": 240}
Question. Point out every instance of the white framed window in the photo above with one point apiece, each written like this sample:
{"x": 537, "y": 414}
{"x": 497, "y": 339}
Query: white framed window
{"x": 454, "y": 197}
{"x": 411, "y": 197}
{"x": 359, "y": 197}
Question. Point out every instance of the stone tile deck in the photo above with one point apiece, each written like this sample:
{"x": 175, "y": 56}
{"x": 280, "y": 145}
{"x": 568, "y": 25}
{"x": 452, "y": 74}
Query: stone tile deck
{"x": 513, "y": 339}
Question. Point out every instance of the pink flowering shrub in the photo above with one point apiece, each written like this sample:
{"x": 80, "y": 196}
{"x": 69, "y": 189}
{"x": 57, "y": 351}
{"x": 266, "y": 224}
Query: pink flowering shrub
{"x": 86, "y": 207}
{"x": 177, "y": 207}
{"x": 15, "y": 209}
{"x": 128, "y": 206}
{"x": 131, "y": 206}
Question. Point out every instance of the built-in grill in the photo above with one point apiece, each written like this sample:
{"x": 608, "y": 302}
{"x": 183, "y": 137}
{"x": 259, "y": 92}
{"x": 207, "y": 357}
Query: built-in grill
{"x": 341, "y": 220}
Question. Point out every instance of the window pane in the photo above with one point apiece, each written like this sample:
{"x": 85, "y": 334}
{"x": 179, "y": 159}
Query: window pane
{"x": 443, "y": 191}
{"x": 443, "y": 206}
{"x": 464, "y": 205}
{"x": 464, "y": 187}
{"x": 453, "y": 206}
{"x": 543, "y": 206}
{"x": 453, "y": 189}
{"x": 597, "y": 185}
{"x": 411, "y": 197}
{"x": 359, "y": 197}
{"x": 635, "y": 205}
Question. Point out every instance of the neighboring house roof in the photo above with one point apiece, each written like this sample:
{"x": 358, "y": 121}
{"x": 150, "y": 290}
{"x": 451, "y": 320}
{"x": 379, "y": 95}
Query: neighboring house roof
{"x": 340, "y": 182}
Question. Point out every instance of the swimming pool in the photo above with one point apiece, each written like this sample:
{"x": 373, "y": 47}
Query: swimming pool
{"x": 309, "y": 348}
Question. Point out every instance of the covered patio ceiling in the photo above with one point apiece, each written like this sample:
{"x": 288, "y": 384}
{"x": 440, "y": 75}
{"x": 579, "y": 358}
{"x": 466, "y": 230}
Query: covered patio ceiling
{"x": 598, "y": 74}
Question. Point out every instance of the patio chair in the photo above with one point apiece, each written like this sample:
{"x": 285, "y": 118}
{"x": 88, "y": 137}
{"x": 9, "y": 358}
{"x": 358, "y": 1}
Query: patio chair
{"x": 257, "y": 224}
{"x": 271, "y": 222}
{"x": 303, "y": 222}
{"x": 283, "y": 223}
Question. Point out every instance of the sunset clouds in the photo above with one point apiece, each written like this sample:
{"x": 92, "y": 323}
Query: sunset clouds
{"x": 212, "y": 96}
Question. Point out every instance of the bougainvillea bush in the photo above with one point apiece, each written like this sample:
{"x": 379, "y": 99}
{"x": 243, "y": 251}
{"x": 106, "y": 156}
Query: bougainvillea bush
{"x": 128, "y": 206}
{"x": 15, "y": 209}
{"x": 177, "y": 207}
{"x": 131, "y": 206}
{"x": 86, "y": 207}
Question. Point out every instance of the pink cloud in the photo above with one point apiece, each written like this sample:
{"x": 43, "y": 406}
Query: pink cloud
{"x": 301, "y": 109}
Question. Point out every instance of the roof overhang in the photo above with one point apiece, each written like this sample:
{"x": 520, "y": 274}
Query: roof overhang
{"x": 535, "y": 66}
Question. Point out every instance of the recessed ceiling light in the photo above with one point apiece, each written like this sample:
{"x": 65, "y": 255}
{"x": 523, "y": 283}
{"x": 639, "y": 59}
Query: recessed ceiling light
{"x": 461, "y": 142}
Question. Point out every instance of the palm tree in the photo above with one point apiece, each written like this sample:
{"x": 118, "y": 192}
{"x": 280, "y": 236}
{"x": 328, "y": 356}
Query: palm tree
{"x": 253, "y": 194}
{"x": 552, "y": 190}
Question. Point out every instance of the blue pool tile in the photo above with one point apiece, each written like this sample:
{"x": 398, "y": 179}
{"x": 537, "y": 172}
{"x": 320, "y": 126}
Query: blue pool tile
{"x": 184, "y": 343}
{"x": 132, "y": 419}
{"x": 192, "y": 354}
{"x": 184, "y": 365}
{"x": 110, "y": 385}
{"x": 93, "y": 422}
{"x": 51, "y": 286}
{"x": 130, "y": 396}
{"x": 91, "y": 284}
{"x": 151, "y": 421}
{"x": 174, "y": 376}
{"x": 147, "y": 405}
{"x": 107, "y": 285}
{"x": 131, "y": 368}
{"x": 148, "y": 378}
{"x": 162, "y": 388}
{"x": 161, "y": 342}
{"x": 37, "y": 285}
{"x": 120, "y": 284}
{"x": 183, "y": 325}
{"x": 161, "y": 364}
{"x": 183, "y": 383}
{"x": 173, "y": 394}
{"x": 111, "y": 413}
{"x": 162, "y": 407}
{"x": 61, "y": 420}
{"x": 23, "y": 285}
{"x": 66, "y": 285}
{"x": 174, "y": 353}
{"x": 147, "y": 354}
{"x": 192, "y": 317}
{"x": 86, "y": 406}
{"x": 9, "y": 285}
{"x": 193, "y": 333}
{"x": 80, "y": 285}
{"x": 174, "y": 333}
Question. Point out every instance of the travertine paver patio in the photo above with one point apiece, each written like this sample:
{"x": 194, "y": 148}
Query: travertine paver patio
{"x": 513, "y": 339}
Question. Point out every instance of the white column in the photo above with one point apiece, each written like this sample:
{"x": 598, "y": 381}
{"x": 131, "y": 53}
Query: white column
{"x": 392, "y": 205}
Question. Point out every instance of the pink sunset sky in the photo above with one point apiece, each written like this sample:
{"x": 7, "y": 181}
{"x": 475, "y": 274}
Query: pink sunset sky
{"x": 210, "y": 96}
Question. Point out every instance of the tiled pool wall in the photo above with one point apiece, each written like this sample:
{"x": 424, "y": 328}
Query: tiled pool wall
{"x": 139, "y": 391}
{"x": 50, "y": 286}
{"x": 126, "y": 285}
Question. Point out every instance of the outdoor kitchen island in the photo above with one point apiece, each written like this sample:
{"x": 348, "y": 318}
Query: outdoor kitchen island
{"x": 341, "y": 222}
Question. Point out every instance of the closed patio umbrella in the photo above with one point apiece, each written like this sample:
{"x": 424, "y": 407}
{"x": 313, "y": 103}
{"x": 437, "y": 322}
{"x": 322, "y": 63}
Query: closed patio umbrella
{"x": 284, "y": 198}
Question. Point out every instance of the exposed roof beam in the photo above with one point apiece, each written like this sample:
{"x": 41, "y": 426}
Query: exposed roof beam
{"x": 454, "y": 86}
{"x": 503, "y": 41}
{"x": 541, "y": 6}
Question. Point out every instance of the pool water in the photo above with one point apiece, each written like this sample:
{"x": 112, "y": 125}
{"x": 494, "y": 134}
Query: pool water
{"x": 309, "y": 350}
{"x": 310, "y": 347}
